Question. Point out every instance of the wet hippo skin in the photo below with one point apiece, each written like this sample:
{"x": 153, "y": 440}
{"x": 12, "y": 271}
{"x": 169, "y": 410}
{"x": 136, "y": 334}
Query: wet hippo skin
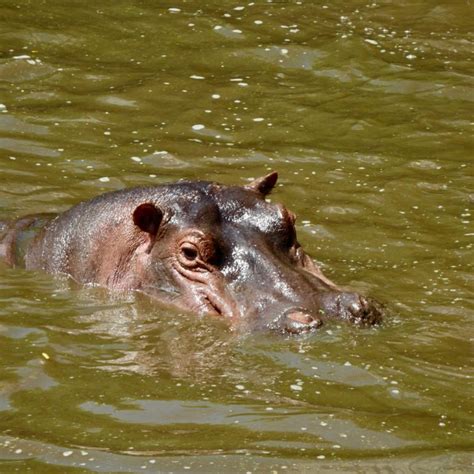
{"x": 199, "y": 246}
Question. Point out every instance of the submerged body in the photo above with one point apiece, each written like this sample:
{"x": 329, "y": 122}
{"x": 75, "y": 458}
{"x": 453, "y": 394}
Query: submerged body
{"x": 199, "y": 246}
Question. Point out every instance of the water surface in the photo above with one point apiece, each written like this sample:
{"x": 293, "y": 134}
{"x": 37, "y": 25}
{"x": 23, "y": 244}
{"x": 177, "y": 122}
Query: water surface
{"x": 365, "y": 109}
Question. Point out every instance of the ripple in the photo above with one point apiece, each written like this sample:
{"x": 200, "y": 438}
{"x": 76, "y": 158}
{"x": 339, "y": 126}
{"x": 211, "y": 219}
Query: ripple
{"x": 24, "y": 69}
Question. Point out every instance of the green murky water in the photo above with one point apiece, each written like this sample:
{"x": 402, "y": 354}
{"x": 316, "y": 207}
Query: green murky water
{"x": 365, "y": 109}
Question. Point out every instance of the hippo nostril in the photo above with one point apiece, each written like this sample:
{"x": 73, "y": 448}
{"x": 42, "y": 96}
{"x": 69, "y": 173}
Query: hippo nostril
{"x": 299, "y": 322}
{"x": 355, "y": 308}
{"x": 365, "y": 310}
{"x": 364, "y": 303}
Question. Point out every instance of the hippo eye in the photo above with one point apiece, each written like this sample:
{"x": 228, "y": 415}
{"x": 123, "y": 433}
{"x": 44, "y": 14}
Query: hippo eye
{"x": 197, "y": 250}
{"x": 189, "y": 251}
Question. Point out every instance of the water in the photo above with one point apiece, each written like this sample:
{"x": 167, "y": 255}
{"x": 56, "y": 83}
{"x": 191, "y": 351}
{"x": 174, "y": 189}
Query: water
{"x": 365, "y": 109}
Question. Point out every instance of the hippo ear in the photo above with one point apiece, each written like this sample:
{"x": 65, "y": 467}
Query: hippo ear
{"x": 264, "y": 184}
{"x": 148, "y": 218}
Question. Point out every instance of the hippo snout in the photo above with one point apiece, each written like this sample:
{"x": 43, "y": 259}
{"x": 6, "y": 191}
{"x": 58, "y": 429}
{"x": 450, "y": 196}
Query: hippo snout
{"x": 348, "y": 306}
{"x": 355, "y": 308}
{"x": 367, "y": 311}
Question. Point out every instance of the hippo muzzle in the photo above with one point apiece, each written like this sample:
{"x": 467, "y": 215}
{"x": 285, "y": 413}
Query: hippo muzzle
{"x": 305, "y": 302}
{"x": 347, "y": 306}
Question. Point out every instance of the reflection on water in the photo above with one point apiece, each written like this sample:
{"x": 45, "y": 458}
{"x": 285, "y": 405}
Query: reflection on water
{"x": 365, "y": 110}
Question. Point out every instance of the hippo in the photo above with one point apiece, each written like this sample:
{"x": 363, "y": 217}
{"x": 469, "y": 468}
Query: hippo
{"x": 198, "y": 246}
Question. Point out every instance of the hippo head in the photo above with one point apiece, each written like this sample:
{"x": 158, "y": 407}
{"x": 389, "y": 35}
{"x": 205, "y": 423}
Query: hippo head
{"x": 225, "y": 250}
